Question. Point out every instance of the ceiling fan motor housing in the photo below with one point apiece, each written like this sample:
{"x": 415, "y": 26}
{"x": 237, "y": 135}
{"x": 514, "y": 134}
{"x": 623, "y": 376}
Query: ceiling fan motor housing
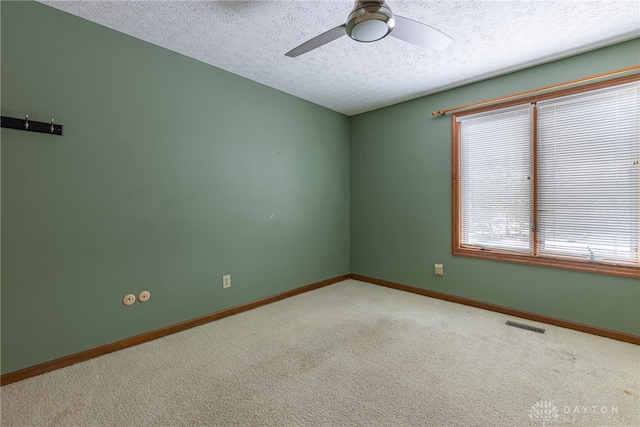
{"x": 370, "y": 21}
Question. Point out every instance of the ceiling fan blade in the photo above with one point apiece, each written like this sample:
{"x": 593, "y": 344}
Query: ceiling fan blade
{"x": 418, "y": 33}
{"x": 318, "y": 41}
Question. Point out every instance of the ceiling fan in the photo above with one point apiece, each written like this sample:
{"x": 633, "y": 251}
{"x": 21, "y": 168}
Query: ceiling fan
{"x": 370, "y": 21}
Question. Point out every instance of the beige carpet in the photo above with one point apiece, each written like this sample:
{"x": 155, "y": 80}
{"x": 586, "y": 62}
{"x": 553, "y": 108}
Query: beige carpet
{"x": 351, "y": 354}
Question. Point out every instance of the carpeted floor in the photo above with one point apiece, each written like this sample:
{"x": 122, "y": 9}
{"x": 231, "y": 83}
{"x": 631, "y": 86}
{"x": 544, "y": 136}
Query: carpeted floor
{"x": 350, "y": 354}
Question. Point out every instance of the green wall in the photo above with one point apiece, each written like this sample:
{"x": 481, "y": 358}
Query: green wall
{"x": 401, "y": 206}
{"x": 170, "y": 174}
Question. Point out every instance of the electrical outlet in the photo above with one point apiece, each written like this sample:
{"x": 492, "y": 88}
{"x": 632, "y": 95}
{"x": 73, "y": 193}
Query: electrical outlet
{"x": 129, "y": 299}
{"x": 439, "y": 270}
{"x": 226, "y": 281}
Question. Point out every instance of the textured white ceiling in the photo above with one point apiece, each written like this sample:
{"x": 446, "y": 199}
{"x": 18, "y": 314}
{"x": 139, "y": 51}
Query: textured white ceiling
{"x": 251, "y": 38}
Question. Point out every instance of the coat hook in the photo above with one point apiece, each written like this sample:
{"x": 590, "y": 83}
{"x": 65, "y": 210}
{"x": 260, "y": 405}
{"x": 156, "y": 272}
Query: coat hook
{"x": 26, "y": 121}
{"x": 51, "y": 127}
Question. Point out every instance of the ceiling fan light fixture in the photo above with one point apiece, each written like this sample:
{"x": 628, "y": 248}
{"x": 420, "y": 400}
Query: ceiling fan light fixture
{"x": 370, "y": 21}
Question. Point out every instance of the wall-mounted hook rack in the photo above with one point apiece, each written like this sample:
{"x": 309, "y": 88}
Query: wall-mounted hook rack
{"x": 31, "y": 126}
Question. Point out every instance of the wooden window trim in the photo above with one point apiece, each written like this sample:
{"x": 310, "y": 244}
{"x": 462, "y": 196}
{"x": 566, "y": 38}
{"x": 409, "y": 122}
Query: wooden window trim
{"x": 533, "y": 258}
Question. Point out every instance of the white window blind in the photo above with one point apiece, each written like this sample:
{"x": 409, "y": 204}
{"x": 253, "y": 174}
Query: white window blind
{"x": 496, "y": 180}
{"x": 589, "y": 175}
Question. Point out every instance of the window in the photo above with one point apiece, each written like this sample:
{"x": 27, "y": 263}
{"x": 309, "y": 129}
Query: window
{"x": 552, "y": 180}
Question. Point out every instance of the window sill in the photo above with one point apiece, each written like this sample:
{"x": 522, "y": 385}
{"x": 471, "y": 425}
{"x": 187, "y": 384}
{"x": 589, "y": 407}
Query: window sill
{"x": 631, "y": 271}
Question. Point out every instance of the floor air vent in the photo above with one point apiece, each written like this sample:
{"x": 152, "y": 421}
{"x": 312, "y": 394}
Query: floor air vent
{"x": 527, "y": 327}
